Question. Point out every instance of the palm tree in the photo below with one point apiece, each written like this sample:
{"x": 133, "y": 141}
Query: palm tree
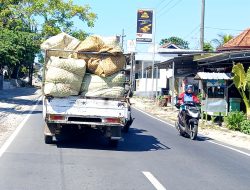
{"x": 208, "y": 47}
{"x": 223, "y": 38}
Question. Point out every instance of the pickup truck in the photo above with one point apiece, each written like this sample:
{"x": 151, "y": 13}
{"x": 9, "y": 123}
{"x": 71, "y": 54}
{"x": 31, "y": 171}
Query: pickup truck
{"x": 109, "y": 115}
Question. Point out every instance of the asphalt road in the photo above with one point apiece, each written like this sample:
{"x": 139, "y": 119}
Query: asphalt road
{"x": 150, "y": 151}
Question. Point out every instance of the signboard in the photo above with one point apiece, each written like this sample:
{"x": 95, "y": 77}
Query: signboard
{"x": 214, "y": 106}
{"x": 183, "y": 72}
{"x": 221, "y": 83}
{"x": 144, "y": 26}
{"x": 131, "y": 45}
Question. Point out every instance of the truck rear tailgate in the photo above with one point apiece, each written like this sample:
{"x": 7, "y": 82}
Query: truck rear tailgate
{"x": 93, "y": 110}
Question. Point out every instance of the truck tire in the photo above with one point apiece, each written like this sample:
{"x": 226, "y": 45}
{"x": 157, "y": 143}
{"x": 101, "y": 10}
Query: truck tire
{"x": 48, "y": 139}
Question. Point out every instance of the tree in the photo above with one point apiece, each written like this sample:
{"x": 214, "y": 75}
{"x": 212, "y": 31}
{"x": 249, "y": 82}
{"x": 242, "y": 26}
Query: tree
{"x": 49, "y": 16}
{"x": 223, "y": 38}
{"x": 241, "y": 80}
{"x": 208, "y": 47}
{"x": 24, "y": 24}
{"x": 177, "y": 41}
{"x": 18, "y": 50}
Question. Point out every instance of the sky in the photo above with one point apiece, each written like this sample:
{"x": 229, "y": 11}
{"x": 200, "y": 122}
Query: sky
{"x": 179, "y": 18}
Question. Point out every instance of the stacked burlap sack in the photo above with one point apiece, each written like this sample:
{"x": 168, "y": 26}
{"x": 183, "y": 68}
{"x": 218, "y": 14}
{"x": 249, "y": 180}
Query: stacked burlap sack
{"x": 64, "y": 76}
{"x": 100, "y": 57}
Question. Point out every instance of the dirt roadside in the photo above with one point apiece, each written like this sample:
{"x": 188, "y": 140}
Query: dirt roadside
{"x": 15, "y": 104}
{"x": 222, "y": 134}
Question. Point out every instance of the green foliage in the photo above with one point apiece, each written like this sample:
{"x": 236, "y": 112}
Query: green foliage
{"x": 234, "y": 119}
{"x": 241, "y": 80}
{"x": 80, "y": 35}
{"x": 175, "y": 40}
{"x": 213, "y": 119}
{"x": 18, "y": 49}
{"x": 248, "y": 78}
{"x": 223, "y": 38}
{"x": 208, "y": 47}
{"x": 54, "y": 16}
{"x": 239, "y": 76}
{"x": 245, "y": 127}
{"x": 159, "y": 97}
{"x": 20, "y": 21}
{"x": 200, "y": 96}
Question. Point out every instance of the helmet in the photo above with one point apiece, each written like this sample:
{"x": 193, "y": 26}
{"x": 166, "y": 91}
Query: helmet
{"x": 187, "y": 87}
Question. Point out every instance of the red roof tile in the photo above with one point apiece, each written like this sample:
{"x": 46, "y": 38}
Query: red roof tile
{"x": 240, "y": 42}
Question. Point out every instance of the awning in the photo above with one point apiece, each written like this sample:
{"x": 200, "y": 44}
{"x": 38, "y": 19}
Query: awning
{"x": 223, "y": 58}
{"x": 213, "y": 76}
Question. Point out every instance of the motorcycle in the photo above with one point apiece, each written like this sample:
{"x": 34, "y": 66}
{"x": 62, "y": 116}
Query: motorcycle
{"x": 188, "y": 119}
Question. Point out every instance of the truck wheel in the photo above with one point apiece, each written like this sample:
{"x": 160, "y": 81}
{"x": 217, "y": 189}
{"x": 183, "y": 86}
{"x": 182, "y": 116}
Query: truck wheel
{"x": 48, "y": 139}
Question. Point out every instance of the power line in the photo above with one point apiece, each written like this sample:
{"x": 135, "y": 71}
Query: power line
{"x": 170, "y": 8}
{"x": 165, "y": 6}
{"x": 190, "y": 33}
{"x": 222, "y": 28}
{"x": 156, "y": 7}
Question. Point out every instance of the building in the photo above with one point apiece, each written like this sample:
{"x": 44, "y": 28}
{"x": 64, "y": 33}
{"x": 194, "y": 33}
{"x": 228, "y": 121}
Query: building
{"x": 144, "y": 84}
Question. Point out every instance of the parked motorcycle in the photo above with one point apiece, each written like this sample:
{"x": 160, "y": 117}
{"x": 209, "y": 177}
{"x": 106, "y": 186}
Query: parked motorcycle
{"x": 188, "y": 119}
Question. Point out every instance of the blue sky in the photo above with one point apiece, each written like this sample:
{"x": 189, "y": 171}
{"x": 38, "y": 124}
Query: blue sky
{"x": 173, "y": 18}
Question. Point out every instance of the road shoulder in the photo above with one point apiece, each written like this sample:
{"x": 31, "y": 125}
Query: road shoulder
{"x": 208, "y": 129}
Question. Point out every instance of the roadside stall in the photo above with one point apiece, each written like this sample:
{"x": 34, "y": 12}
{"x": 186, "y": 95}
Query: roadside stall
{"x": 214, "y": 89}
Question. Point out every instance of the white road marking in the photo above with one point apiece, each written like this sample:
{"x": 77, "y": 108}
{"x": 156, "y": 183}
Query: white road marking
{"x": 18, "y": 129}
{"x": 154, "y": 181}
{"x": 231, "y": 148}
{"x": 210, "y": 141}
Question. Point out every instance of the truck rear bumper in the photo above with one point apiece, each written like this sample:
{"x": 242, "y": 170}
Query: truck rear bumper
{"x": 98, "y": 121}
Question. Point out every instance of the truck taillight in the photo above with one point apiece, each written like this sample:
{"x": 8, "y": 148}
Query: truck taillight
{"x": 56, "y": 117}
{"x": 112, "y": 120}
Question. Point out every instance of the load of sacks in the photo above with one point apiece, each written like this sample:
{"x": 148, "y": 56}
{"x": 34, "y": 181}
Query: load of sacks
{"x": 90, "y": 68}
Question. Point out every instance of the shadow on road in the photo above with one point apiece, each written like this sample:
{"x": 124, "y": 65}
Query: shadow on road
{"x": 16, "y": 92}
{"x": 16, "y": 98}
{"x": 203, "y": 138}
{"x": 134, "y": 140}
{"x": 18, "y": 110}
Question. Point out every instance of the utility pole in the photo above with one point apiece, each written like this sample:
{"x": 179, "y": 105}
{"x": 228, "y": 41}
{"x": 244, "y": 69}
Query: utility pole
{"x": 122, "y": 38}
{"x": 202, "y": 25}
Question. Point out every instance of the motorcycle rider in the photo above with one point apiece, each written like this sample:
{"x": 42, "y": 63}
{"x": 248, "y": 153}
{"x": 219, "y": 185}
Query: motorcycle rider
{"x": 187, "y": 96}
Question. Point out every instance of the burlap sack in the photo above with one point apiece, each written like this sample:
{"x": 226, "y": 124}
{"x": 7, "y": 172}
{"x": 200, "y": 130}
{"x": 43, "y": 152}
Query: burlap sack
{"x": 57, "y": 75}
{"x": 75, "y": 66}
{"x": 114, "y": 92}
{"x": 63, "y": 77}
{"x": 111, "y": 45}
{"x": 61, "y": 41}
{"x": 59, "y": 90}
{"x": 91, "y": 44}
{"x": 98, "y": 44}
{"x": 112, "y": 86}
{"x": 105, "y": 65}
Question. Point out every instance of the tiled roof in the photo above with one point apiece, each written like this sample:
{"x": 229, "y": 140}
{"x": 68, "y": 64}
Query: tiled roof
{"x": 240, "y": 42}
